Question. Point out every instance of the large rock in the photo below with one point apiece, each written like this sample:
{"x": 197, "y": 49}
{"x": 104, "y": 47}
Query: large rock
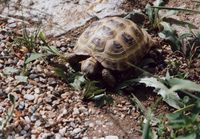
{"x": 58, "y": 16}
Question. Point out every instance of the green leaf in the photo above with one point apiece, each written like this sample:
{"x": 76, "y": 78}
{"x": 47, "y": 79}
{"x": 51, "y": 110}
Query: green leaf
{"x": 146, "y": 130}
{"x": 150, "y": 12}
{"x": 102, "y": 100}
{"x": 54, "y": 50}
{"x": 170, "y": 35}
{"x": 179, "y": 23}
{"x": 185, "y": 35}
{"x": 91, "y": 90}
{"x": 10, "y": 70}
{"x": 60, "y": 73}
{"x": 126, "y": 84}
{"x": 181, "y": 84}
{"x": 177, "y": 8}
{"x": 21, "y": 78}
{"x": 169, "y": 96}
{"x": 34, "y": 56}
{"x": 173, "y": 116}
{"x": 11, "y": 98}
{"x": 190, "y": 136}
{"x": 171, "y": 12}
{"x": 78, "y": 81}
{"x": 158, "y": 2}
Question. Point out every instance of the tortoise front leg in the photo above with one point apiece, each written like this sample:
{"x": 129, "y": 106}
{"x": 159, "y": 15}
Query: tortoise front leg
{"x": 74, "y": 60}
{"x": 108, "y": 78}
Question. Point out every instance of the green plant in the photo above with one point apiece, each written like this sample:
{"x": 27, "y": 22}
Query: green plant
{"x": 187, "y": 44}
{"x": 182, "y": 95}
{"x": 93, "y": 92}
{"x": 34, "y": 46}
{"x": 184, "y": 122}
{"x": 8, "y": 117}
{"x": 157, "y": 17}
{"x": 190, "y": 46}
{"x": 29, "y": 40}
{"x": 153, "y": 14}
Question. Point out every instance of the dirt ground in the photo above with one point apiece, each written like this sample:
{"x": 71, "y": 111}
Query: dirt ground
{"x": 129, "y": 128}
{"x": 122, "y": 118}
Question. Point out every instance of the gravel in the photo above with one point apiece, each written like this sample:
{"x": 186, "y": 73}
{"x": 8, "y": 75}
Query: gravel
{"x": 46, "y": 107}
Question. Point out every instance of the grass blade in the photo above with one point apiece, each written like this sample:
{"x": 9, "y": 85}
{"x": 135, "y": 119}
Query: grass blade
{"x": 34, "y": 56}
{"x": 178, "y": 9}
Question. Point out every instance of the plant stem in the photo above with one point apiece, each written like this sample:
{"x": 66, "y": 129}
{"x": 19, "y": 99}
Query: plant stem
{"x": 196, "y": 1}
{"x": 176, "y": 8}
{"x": 140, "y": 69}
{"x": 185, "y": 108}
{"x": 8, "y": 117}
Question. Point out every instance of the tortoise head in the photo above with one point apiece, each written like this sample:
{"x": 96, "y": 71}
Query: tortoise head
{"x": 89, "y": 66}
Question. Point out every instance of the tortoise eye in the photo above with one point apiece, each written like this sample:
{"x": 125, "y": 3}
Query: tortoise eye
{"x": 128, "y": 39}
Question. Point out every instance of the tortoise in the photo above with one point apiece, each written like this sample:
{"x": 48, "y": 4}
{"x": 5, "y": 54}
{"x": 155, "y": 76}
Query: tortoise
{"x": 109, "y": 45}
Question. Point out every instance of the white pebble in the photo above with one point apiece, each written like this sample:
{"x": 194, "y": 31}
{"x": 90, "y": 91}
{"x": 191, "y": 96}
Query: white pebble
{"x": 75, "y": 131}
{"x": 29, "y": 97}
{"x": 111, "y": 137}
{"x": 57, "y": 136}
{"x": 37, "y": 90}
{"x": 62, "y": 131}
{"x": 75, "y": 111}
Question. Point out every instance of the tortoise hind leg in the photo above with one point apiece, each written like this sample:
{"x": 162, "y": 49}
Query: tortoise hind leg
{"x": 108, "y": 78}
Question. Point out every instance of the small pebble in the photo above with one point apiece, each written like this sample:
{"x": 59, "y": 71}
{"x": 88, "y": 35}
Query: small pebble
{"x": 75, "y": 111}
{"x": 27, "y": 119}
{"x": 111, "y": 137}
{"x": 62, "y": 131}
{"x": 37, "y": 90}
{"x": 57, "y": 136}
{"x": 75, "y": 131}
{"x": 33, "y": 118}
{"x": 29, "y": 97}
{"x": 12, "y": 25}
{"x": 38, "y": 123}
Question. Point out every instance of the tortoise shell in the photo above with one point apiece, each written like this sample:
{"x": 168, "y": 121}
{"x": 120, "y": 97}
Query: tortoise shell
{"x": 114, "y": 41}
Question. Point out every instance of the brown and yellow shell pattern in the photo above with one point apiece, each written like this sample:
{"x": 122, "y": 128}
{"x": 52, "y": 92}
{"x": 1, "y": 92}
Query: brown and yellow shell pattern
{"x": 114, "y": 41}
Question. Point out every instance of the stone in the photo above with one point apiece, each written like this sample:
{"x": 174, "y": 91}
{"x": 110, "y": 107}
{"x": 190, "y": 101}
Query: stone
{"x": 111, "y": 137}
{"x": 38, "y": 123}
{"x": 33, "y": 118}
{"x": 85, "y": 138}
{"x": 75, "y": 12}
{"x": 57, "y": 136}
{"x": 29, "y": 97}
{"x": 75, "y": 111}
{"x": 76, "y": 131}
{"x": 12, "y": 25}
{"x": 62, "y": 131}
{"x": 37, "y": 90}
{"x": 27, "y": 119}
